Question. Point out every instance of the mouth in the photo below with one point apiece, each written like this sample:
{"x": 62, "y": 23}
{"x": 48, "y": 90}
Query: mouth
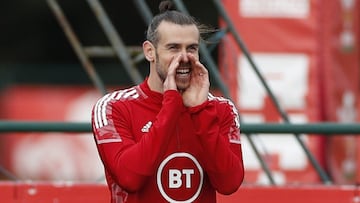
{"x": 183, "y": 71}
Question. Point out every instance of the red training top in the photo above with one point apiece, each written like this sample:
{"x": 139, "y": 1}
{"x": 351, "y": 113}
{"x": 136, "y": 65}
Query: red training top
{"x": 154, "y": 149}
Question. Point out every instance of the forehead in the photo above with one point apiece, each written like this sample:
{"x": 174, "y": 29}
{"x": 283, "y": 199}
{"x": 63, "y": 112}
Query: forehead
{"x": 175, "y": 33}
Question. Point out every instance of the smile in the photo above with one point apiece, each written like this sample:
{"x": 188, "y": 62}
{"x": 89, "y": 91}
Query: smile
{"x": 182, "y": 71}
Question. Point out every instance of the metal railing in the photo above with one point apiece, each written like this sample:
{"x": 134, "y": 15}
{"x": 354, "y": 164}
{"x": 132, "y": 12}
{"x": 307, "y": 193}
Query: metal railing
{"x": 321, "y": 128}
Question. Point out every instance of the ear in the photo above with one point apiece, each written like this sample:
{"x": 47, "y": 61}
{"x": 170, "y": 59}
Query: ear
{"x": 149, "y": 51}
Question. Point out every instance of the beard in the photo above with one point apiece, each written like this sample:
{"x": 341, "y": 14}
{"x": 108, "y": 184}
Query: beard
{"x": 182, "y": 83}
{"x": 160, "y": 71}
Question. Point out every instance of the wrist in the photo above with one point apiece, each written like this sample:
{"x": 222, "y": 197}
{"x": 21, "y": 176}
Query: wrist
{"x": 198, "y": 108}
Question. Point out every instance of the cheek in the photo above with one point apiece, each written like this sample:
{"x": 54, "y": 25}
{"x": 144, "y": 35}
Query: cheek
{"x": 162, "y": 65}
{"x": 165, "y": 60}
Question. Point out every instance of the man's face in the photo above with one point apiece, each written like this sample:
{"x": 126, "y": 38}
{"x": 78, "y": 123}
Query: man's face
{"x": 176, "y": 40}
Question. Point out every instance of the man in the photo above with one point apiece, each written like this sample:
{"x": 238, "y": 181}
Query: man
{"x": 168, "y": 139}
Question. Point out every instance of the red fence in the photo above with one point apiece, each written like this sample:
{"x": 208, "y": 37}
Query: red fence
{"x": 308, "y": 53}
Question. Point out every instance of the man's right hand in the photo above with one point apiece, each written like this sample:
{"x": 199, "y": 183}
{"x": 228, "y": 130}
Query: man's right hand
{"x": 169, "y": 83}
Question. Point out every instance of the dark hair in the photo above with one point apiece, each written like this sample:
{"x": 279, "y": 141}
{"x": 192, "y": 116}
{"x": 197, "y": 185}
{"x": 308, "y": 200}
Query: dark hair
{"x": 168, "y": 13}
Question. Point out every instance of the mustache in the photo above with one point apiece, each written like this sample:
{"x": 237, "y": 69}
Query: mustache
{"x": 185, "y": 64}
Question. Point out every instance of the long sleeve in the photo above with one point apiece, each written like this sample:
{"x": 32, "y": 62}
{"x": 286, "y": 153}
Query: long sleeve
{"x": 219, "y": 134}
{"x": 130, "y": 161}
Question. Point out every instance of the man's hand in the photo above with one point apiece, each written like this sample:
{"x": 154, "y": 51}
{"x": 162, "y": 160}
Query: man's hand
{"x": 198, "y": 90}
{"x": 169, "y": 83}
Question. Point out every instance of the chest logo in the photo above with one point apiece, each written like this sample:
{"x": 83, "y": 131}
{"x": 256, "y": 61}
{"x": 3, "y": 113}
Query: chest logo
{"x": 180, "y": 178}
{"x": 146, "y": 127}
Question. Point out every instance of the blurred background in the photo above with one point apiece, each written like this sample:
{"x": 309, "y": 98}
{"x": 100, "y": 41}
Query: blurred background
{"x": 35, "y": 50}
{"x": 307, "y": 51}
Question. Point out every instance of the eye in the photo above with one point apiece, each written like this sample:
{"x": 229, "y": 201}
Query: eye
{"x": 172, "y": 47}
{"x": 193, "y": 49}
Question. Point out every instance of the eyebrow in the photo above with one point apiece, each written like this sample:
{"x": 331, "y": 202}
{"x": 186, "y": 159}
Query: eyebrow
{"x": 178, "y": 44}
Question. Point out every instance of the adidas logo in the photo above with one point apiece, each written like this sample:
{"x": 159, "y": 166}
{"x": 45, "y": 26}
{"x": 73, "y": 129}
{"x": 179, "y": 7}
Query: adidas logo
{"x": 146, "y": 127}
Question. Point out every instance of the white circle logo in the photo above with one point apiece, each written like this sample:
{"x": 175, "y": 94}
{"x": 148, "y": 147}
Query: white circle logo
{"x": 180, "y": 184}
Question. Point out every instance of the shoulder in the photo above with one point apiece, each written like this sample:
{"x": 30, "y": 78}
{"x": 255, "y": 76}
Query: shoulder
{"x": 221, "y": 101}
{"x": 117, "y": 96}
{"x": 226, "y": 106}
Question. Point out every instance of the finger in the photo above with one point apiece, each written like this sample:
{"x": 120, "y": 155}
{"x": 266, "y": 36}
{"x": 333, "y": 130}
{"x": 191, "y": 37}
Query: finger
{"x": 199, "y": 68}
{"x": 169, "y": 82}
{"x": 192, "y": 59}
{"x": 202, "y": 68}
{"x": 174, "y": 65}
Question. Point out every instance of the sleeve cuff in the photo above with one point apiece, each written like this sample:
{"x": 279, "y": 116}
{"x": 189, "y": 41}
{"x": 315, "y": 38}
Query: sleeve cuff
{"x": 198, "y": 108}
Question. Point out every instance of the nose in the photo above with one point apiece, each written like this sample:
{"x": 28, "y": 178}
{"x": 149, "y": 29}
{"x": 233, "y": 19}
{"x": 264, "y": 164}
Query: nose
{"x": 184, "y": 56}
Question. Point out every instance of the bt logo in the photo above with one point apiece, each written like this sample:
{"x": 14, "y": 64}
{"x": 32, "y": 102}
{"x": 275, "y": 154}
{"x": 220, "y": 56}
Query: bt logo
{"x": 175, "y": 175}
{"x": 180, "y": 178}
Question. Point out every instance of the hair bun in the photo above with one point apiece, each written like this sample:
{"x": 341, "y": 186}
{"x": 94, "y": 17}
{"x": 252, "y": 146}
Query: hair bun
{"x": 166, "y": 6}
